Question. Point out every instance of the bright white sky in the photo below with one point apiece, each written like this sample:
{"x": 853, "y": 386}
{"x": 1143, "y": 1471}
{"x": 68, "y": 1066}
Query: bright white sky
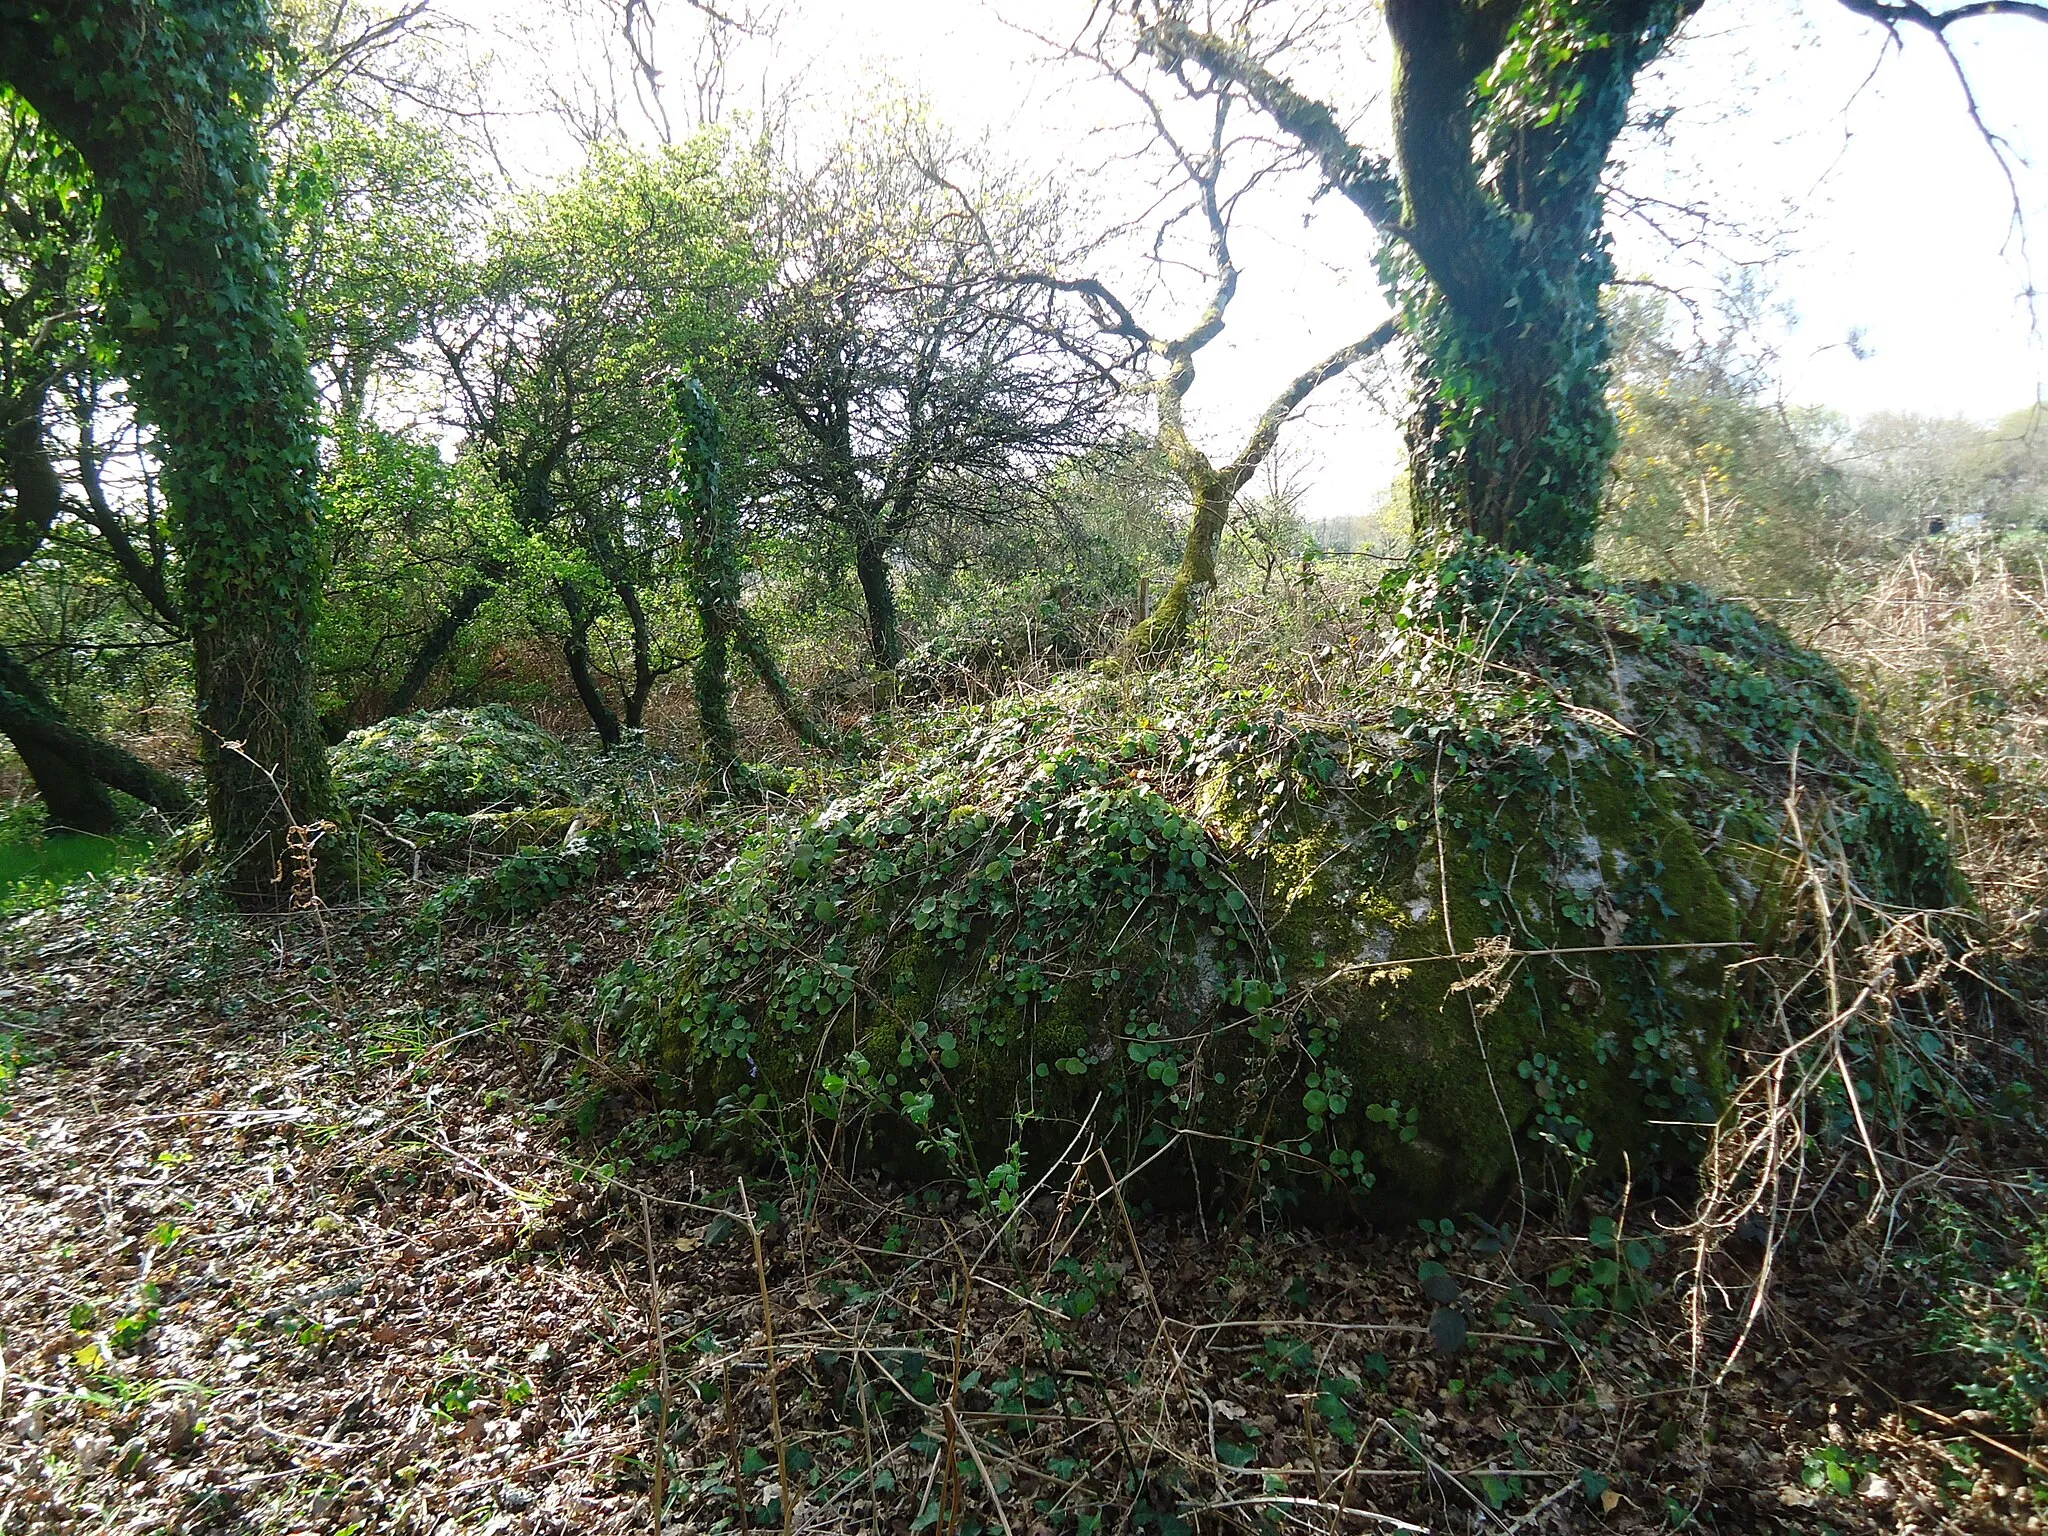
{"x": 1892, "y": 219}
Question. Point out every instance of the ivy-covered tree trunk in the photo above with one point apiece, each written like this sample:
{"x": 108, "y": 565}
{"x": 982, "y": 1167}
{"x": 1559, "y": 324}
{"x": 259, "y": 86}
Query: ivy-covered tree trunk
{"x": 1503, "y": 119}
{"x": 698, "y": 463}
{"x": 698, "y": 460}
{"x": 160, "y": 99}
{"x": 1504, "y": 113}
{"x": 878, "y": 591}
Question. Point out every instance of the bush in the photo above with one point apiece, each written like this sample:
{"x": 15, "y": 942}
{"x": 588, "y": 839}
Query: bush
{"x": 1204, "y": 919}
{"x": 1000, "y": 633}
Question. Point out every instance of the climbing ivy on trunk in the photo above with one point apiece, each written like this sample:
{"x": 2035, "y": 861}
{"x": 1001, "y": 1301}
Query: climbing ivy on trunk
{"x": 698, "y": 466}
{"x": 160, "y": 98}
{"x": 1504, "y": 113}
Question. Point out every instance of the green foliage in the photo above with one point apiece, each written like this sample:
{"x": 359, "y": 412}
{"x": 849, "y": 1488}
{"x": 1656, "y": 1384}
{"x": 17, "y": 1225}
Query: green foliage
{"x": 989, "y": 633}
{"x": 1045, "y": 592}
{"x": 1716, "y": 483}
{"x": 411, "y": 532}
{"x": 917, "y": 392}
{"x": 453, "y": 762}
{"x": 54, "y": 278}
{"x": 586, "y": 305}
{"x": 1835, "y": 1469}
{"x": 375, "y": 207}
{"x": 1908, "y": 471}
{"x": 1989, "y": 1289}
{"x": 535, "y": 877}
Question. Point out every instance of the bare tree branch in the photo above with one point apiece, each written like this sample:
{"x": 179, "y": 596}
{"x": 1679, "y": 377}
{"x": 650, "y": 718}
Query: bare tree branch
{"x": 1892, "y": 12}
{"x": 1289, "y": 400}
{"x": 1365, "y": 180}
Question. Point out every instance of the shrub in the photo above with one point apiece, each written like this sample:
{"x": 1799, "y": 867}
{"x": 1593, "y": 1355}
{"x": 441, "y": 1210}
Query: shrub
{"x": 1989, "y": 1289}
{"x": 994, "y": 635}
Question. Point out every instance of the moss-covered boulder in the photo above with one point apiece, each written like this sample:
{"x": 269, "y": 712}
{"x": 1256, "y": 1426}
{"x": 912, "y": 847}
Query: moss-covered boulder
{"x": 1455, "y": 903}
{"x": 453, "y": 762}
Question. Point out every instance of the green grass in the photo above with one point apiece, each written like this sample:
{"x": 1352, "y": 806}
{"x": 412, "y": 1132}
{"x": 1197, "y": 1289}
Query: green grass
{"x": 36, "y": 867}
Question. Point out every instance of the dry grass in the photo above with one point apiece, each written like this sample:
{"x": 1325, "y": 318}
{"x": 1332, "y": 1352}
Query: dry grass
{"x": 1950, "y": 646}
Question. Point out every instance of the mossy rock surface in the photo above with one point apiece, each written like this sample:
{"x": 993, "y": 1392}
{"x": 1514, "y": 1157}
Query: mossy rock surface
{"x": 1463, "y": 917}
{"x": 453, "y": 762}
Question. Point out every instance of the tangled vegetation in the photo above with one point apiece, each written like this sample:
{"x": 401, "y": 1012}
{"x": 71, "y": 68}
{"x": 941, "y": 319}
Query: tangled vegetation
{"x": 463, "y": 786}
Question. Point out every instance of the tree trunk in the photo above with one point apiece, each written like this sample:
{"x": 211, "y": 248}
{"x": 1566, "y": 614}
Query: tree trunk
{"x": 160, "y": 97}
{"x": 576, "y": 652}
{"x": 754, "y": 646}
{"x": 871, "y": 566}
{"x": 1165, "y": 629}
{"x": 644, "y": 675}
{"x": 439, "y": 642}
{"x": 1504, "y": 115}
{"x": 73, "y": 770}
{"x": 1510, "y": 434}
{"x": 38, "y": 494}
{"x": 714, "y": 690}
{"x": 698, "y": 459}
{"x": 73, "y": 800}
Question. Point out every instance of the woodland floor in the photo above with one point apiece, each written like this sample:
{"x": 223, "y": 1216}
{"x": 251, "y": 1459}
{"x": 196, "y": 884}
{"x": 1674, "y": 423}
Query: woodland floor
{"x": 298, "y": 1233}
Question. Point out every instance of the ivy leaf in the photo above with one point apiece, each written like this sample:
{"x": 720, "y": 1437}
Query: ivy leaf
{"x": 1438, "y": 1284}
{"x": 1447, "y": 1330}
{"x": 1232, "y": 1455}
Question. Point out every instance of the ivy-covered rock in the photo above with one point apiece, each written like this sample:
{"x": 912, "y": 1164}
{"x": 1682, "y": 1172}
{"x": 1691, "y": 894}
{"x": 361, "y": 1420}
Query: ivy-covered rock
{"x": 1465, "y": 916}
{"x": 537, "y": 871}
{"x": 454, "y": 763}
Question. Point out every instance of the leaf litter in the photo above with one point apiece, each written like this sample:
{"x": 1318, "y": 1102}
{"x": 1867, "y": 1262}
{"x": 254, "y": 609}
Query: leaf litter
{"x": 321, "y": 1225}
